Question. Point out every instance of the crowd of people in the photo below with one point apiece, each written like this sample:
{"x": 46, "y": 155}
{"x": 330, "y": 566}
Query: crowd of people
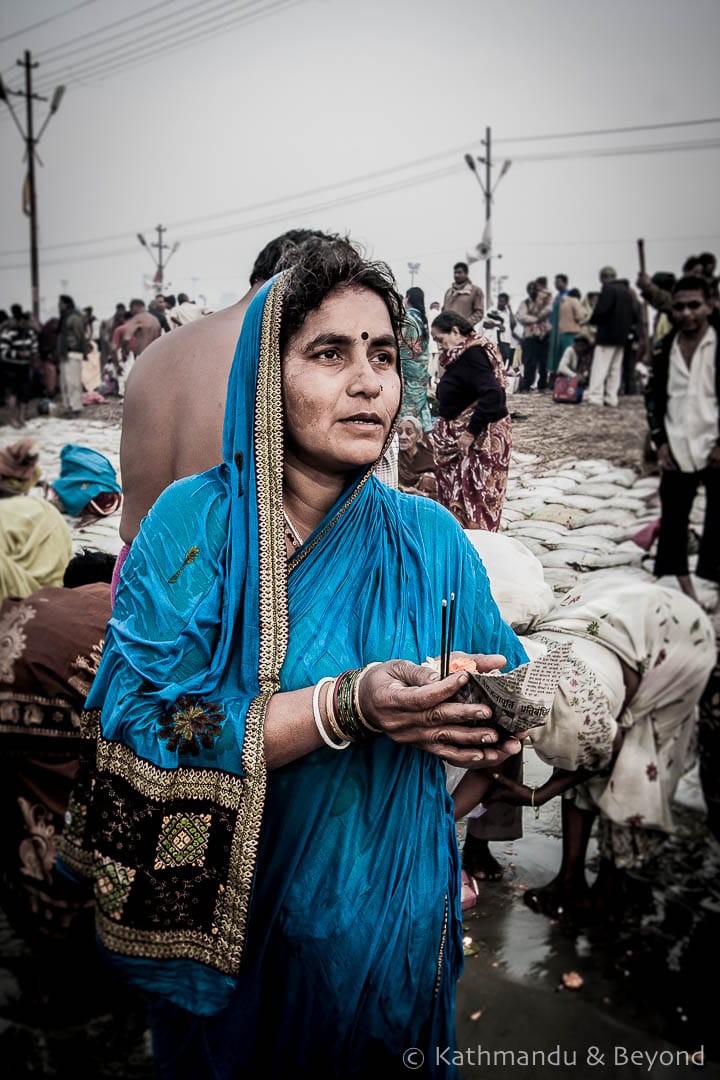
{"x": 263, "y": 801}
{"x": 589, "y": 350}
{"x": 75, "y": 357}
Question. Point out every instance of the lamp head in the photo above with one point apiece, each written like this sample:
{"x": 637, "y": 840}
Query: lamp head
{"x": 57, "y": 98}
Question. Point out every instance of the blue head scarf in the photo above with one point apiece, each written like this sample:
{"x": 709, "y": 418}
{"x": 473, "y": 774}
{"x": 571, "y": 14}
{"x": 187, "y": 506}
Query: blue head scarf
{"x": 84, "y": 474}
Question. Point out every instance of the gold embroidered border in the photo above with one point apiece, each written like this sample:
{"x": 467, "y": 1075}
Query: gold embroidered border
{"x": 168, "y": 784}
{"x": 222, "y": 949}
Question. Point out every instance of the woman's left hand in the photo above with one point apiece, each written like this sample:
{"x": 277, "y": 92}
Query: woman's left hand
{"x": 465, "y": 441}
{"x": 410, "y": 703}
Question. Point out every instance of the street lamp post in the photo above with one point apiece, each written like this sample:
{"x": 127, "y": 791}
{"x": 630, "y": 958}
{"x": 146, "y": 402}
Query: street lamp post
{"x": 31, "y": 140}
{"x": 488, "y": 190}
{"x": 414, "y": 268}
{"x": 160, "y": 262}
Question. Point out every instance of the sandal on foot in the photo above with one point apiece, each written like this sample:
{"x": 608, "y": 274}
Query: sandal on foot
{"x": 469, "y": 892}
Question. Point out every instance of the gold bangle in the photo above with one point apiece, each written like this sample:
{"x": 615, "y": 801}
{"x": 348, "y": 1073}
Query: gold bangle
{"x": 330, "y": 713}
{"x": 535, "y": 808}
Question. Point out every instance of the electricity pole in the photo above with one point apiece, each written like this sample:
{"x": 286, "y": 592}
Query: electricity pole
{"x": 414, "y": 268}
{"x": 31, "y": 141}
{"x": 488, "y": 214}
{"x": 160, "y": 262}
{"x": 488, "y": 190}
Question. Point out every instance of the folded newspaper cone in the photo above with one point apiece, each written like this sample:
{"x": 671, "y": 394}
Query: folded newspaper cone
{"x": 523, "y": 698}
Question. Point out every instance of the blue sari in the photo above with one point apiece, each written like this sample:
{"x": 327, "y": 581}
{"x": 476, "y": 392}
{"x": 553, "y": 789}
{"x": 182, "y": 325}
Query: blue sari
{"x": 309, "y": 919}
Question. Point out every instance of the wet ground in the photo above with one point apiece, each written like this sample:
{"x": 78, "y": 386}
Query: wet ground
{"x": 647, "y": 982}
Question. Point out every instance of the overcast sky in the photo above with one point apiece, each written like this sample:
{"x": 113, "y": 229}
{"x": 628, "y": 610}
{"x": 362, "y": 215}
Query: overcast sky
{"x": 229, "y": 122}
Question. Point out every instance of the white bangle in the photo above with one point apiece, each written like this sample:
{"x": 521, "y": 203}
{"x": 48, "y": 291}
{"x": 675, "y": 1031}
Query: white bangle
{"x": 318, "y": 718}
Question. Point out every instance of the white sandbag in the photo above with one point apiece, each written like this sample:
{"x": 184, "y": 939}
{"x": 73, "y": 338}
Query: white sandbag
{"x": 565, "y": 515}
{"x": 607, "y": 532}
{"x": 511, "y": 515}
{"x": 626, "y": 477}
{"x": 610, "y": 515}
{"x": 516, "y": 577}
{"x": 582, "y": 502}
{"x": 552, "y": 528}
{"x": 601, "y": 489}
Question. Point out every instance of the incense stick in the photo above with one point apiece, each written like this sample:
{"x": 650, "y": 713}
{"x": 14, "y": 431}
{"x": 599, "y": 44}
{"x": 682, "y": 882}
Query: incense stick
{"x": 443, "y": 638}
{"x": 451, "y": 632}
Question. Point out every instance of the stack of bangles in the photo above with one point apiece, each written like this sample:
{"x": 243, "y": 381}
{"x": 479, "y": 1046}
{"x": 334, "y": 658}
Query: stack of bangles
{"x": 337, "y": 713}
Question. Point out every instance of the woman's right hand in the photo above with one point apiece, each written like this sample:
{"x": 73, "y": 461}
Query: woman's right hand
{"x": 411, "y": 704}
{"x": 465, "y": 441}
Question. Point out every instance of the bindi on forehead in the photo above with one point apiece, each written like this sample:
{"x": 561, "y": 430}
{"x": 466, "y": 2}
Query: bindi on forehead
{"x": 365, "y": 335}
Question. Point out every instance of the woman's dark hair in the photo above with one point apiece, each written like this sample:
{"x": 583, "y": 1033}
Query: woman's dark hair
{"x": 416, "y": 299}
{"x": 282, "y": 251}
{"x": 692, "y": 283}
{"x": 446, "y": 320}
{"x": 324, "y": 265}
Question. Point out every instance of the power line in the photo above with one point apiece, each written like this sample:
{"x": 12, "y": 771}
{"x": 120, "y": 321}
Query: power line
{"x": 99, "y": 31}
{"x": 348, "y": 198}
{"x": 135, "y": 19}
{"x": 98, "y": 66}
{"x": 608, "y": 131}
{"x": 621, "y": 151}
{"x": 702, "y": 237}
{"x": 43, "y": 22}
{"x": 92, "y": 44}
{"x": 57, "y": 55}
{"x": 252, "y": 207}
{"x": 300, "y": 212}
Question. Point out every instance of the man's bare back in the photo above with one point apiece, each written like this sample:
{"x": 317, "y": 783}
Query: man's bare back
{"x": 174, "y": 409}
{"x": 175, "y": 396}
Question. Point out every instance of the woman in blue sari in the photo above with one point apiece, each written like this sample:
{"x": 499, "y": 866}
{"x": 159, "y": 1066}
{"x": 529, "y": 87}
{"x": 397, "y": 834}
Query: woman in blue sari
{"x": 268, "y": 829}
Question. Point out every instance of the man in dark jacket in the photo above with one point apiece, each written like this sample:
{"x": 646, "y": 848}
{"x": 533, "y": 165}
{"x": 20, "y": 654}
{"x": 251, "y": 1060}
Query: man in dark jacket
{"x": 613, "y": 317}
{"x": 682, "y": 403}
{"x": 73, "y": 347}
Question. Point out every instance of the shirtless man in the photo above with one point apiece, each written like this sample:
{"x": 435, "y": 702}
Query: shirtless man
{"x": 140, "y": 330}
{"x": 175, "y": 396}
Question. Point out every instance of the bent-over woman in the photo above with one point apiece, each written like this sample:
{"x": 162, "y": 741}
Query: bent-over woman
{"x": 472, "y": 438}
{"x": 621, "y": 733}
{"x": 269, "y": 833}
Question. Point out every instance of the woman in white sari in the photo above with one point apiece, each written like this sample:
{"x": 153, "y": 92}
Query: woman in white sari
{"x": 622, "y": 728}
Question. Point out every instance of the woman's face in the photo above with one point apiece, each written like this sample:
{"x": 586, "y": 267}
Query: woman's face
{"x": 407, "y": 436}
{"x": 341, "y": 385}
{"x": 447, "y": 339}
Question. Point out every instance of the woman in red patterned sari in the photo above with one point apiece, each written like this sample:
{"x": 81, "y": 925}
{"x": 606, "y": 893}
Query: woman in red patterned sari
{"x": 472, "y": 438}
